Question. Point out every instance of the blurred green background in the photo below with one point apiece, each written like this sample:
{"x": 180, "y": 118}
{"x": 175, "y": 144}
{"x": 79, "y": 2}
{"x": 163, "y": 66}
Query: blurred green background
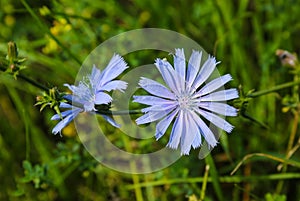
{"x": 56, "y": 37}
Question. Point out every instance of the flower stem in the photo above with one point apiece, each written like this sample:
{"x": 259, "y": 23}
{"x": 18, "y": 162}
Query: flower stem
{"x": 44, "y": 88}
{"x": 293, "y": 133}
{"x": 135, "y": 177}
{"x": 274, "y": 89}
{"x": 204, "y": 183}
{"x": 274, "y": 158}
{"x": 33, "y": 82}
{"x": 29, "y": 80}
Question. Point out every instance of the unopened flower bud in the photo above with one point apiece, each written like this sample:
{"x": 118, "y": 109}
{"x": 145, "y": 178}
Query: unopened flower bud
{"x": 12, "y": 51}
{"x": 39, "y": 98}
{"x": 12, "y": 67}
{"x": 287, "y": 59}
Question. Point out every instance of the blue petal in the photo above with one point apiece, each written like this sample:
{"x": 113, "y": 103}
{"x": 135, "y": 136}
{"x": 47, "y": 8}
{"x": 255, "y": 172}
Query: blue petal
{"x": 220, "y": 108}
{"x": 114, "y": 85}
{"x": 95, "y": 76}
{"x": 216, "y": 120}
{"x": 157, "y": 108}
{"x": 102, "y": 98}
{"x": 223, "y": 95}
{"x": 197, "y": 141}
{"x": 152, "y": 116}
{"x": 170, "y": 76}
{"x": 213, "y": 85}
{"x": 71, "y": 87}
{"x": 156, "y": 88}
{"x": 193, "y": 66}
{"x": 115, "y": 67}
{"x": 111, "y": 121}
{"x": 187, "y": 138}
{"x": 206, "y": 70}
{"x": 62, "y": 115}
{"x": 68, "y": 97}
{"x": 177, "y": 130}
{"x": 163, "y": 125}
{"x": 63, "y": 123}
{"x": 179, "y": 62}
{"x": 151, "y": 100}
{"x": 65, "y": 105}
{"x": 205, "y": 131}
{"x": 81, "y": 94}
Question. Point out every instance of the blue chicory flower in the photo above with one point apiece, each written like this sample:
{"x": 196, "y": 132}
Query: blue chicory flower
{"x": 187, "y": 99}
{"x": 91, "y": 91}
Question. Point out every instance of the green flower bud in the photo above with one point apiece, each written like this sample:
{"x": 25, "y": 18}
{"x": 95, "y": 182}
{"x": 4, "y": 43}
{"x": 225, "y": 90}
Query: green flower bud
{"x": 12, "y": 51}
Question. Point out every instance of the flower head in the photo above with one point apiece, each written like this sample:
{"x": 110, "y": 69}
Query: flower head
{"x": 187, "y": 100}
{"x": 91, "y": 91}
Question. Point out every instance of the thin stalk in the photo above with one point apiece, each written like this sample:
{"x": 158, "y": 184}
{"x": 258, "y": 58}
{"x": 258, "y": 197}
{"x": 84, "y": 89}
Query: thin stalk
{"x": 293, "y": 132}
{"x": 33, "y": 82}
{"x": 215, "y": 177}
{"x": 204, "y": 184}
{"x": 295, "y": 148}
{"x": 281, "y": 160}
{"x": 27, "y": 138}
{"x": 29, "y": 80}
{"x": 274, "y": 89}
{"x": 222, "y": 179}
{"x": 44, "y": 88}
{"x": 135, "y": 177}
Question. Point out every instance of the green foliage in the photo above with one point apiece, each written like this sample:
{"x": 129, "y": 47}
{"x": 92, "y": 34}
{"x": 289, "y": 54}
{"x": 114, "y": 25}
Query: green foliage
{"x": 36, "y": 174}
{"x": 52, "y": 99}
{"x": 12, "y": 63}
{"x": 270, "y": 197}
{"x": 56, "y": 36}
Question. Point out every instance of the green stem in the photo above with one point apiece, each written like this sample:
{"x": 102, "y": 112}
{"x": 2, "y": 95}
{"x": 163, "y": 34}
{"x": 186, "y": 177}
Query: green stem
{"x": 44, "y": 88}
{"x": 135, "y": 177}
{"x": 204, "y": 184}
{"x": 29, "y": 80}
{"x": 293, "y": 132}
{"x": 222, "y": 179}
{"x": 33, "y": 82}
{"x": 27, "y": 137}
{"x": 281, "y": 160}
{"x": 274, "y": 89}
{"x": 215, "y": 177}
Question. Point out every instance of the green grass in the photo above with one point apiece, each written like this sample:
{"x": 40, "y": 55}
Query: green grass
{"x": 243, "y": 35}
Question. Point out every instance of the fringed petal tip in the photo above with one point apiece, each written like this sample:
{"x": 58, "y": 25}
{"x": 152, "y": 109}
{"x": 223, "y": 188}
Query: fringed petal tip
{"x": 229, "y": 128}
{"x": 172, "y": 145}
{"x": 185, "y": 153}
{"x": 158, "y": 135}
{"x": 120, "y": 60}
{"x": 160, "y": 62}
{"x": 182, "y": 151}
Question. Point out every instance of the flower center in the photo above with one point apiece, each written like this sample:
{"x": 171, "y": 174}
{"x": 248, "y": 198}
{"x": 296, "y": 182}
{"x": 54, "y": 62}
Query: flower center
{"x": 85, "y": 92}
{"x": 186, "y": 102}
{"x": 85, "y": 95}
